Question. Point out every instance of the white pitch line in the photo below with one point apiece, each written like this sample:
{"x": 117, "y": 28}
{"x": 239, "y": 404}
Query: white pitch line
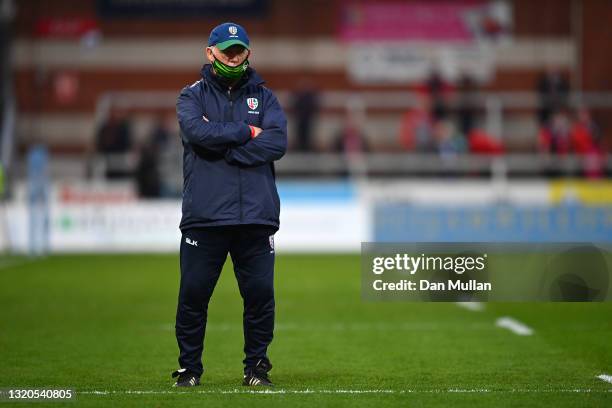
{"x": 472, "y": 306}
{"x": 514, "y": 326}
{"x": 344, "y": 391}
{"x": 605, "y": 377}
{"x": 237, "y": 391}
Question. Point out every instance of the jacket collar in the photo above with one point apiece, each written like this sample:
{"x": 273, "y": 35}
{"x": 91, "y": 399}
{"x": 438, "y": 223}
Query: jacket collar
{"x": 250, "y": 78}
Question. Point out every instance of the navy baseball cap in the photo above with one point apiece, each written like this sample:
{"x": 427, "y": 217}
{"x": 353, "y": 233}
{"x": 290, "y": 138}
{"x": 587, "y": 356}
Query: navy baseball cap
{"x": 227, "y": 34}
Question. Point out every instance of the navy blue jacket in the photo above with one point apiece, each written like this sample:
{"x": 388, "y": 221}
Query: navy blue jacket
{"x": 228, "y": 178}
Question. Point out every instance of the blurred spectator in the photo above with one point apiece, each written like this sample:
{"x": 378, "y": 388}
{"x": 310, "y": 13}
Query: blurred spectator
{"x": 424, "y": 128}
{"x": 420, "y": 131}
{"x": 481, "y": 142}
{"x": 586, "y": 141}
{"x": 148, "y": 178}
{"x": 447, "y": 141}
{"x": 416, "y": 128}
{"x": 582, "y": 138}
{"x": 162, "y": 133}
{"x": 466, "y": 111}
{"x": 553, "y": 92}
{"x": 305, "y": 108}
{"x": 148, "y": 173}
{"x": 351, "y": 137}
{"x": 114, "y": 137}
{"x": 586, "y": 137}
{"x": 38, "y": 200}
{"x": 438, "y": 91}
{"x": 477, "y": 140}
{"x": 556, "y": 136}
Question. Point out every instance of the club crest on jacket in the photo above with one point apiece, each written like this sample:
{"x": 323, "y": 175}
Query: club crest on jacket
{"x": 252, "y": 103}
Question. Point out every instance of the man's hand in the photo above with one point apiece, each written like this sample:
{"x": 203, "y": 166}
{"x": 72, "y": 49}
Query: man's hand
{"x": 255, "y": 131}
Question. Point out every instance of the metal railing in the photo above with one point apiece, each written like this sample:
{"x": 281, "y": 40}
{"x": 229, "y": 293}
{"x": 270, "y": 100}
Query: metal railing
{"x": 412, "y": 164}
{"x": 493, "y": 107}
{"x": 368, "y": 166}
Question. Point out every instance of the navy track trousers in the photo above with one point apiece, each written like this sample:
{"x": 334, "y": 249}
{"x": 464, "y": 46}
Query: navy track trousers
{"x": 202, "y": 255}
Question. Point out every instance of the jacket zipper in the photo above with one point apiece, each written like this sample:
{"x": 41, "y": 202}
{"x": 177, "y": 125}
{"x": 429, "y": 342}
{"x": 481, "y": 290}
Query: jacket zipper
{"x": 231, "y": 104}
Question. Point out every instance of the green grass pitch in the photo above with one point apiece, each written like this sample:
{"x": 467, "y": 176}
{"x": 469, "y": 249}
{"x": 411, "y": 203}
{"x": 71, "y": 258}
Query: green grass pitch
{"x": 105, "y": 323}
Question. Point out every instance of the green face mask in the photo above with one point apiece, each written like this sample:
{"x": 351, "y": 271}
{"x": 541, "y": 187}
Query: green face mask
{"x": 228, "y": 72}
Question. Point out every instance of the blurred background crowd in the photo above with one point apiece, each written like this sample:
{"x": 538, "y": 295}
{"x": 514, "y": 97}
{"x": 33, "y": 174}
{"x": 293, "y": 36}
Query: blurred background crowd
{"x": 97, "y": 79}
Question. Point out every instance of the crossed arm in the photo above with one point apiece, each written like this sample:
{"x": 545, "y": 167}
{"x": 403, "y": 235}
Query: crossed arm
{"x": 238, "y": 142}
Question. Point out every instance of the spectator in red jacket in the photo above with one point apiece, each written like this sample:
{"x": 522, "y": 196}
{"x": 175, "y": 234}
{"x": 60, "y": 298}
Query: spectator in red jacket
{"x": 556, "y": 137}
{"x": 585, "y": 134}
{"x": 586, "y": 141}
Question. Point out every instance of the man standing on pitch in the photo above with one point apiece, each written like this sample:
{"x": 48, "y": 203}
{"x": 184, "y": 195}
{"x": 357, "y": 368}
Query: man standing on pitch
{"x": 232, "y": 129}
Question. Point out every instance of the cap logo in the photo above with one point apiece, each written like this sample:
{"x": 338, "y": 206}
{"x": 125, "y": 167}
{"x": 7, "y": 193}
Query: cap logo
{"x": 252, "y": 103}
{"x": 233, "y": 30}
